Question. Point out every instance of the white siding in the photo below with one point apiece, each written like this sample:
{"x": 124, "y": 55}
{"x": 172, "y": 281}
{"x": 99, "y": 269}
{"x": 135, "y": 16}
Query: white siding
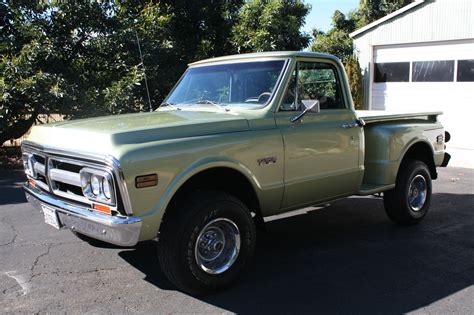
{"x": 452, "y": 50}
{"x": 454, "y": 99}
{"x": 431, "y": 21}
{"x": 432, "y": 30}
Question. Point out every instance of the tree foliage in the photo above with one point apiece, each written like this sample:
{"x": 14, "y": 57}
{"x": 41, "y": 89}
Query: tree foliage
{"x": 266, "y": 25}
{"x": 43, "y": 53}
{"x": 371, "y": 10}
{"x": 81, "y": 59}
{"x": 355, "y": 82}
{"x": 338, "y": 42}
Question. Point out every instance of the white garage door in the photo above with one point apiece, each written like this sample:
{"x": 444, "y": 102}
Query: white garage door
{"x": 429, "y": 77}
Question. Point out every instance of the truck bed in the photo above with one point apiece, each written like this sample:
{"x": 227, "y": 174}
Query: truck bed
{"x": 388, "y": 135}
{"x": 374, "y": 116}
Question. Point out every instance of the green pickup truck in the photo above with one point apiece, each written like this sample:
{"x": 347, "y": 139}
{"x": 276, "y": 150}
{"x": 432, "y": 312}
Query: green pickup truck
{"x": 239, "y": 138}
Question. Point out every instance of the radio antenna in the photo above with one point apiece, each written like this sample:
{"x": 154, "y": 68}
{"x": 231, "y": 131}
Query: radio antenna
{"x": 144, "y": 72}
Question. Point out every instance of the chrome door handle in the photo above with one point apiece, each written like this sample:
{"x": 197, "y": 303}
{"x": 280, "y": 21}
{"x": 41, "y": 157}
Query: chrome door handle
{"x": 350, "y": 125}
{"x": 357, "y": 123}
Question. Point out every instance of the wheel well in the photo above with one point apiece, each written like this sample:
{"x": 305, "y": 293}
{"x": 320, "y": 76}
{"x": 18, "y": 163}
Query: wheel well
{"x": 422, "y": 152}
{"x": 223, "y": 179}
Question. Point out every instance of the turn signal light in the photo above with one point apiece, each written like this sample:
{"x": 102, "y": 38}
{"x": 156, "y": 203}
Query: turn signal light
{"x": 101, "y": 208}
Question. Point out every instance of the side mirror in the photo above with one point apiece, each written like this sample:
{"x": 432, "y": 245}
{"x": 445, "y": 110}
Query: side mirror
{"x": 310, "y": 106}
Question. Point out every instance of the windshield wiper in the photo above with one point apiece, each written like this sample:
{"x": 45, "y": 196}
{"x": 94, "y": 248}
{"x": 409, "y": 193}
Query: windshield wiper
{"x": 194, "y": 102}
{"x": 209, "y": 102}
{"x": 172, "y": 105}
{"x": 204, "y": 101}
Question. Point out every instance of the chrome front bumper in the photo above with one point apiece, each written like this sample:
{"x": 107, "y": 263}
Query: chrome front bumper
{"x": 122, "y": 231}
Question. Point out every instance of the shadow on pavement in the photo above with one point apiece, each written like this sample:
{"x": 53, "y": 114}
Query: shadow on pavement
{"x": 10, "y": 187}
{"x": 144, "y": 257}
{"x": 348, "y": 257}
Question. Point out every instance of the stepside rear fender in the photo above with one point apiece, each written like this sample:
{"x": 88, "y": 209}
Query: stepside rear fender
{"x": 387, "y": 143}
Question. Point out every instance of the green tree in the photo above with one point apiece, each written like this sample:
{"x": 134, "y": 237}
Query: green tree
{"x": 81, "y": 59}
{"x": 338, "y": 42}
{"x": 371, "y": 10}
{"x": 202, "y": 28}
{"x": 355, "y": 80}
{"x": 40, "y": 66}
{"x": 267, "y": 25}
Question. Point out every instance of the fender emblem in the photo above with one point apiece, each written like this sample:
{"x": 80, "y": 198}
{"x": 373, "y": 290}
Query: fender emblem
{"x": 267, "y": 160}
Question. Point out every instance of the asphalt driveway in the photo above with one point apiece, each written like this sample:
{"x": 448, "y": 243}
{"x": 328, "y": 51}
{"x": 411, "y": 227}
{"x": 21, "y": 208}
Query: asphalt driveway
{"x": 345, "y": 258}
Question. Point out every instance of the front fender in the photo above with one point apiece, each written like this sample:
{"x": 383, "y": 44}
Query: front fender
{"x": 152, "y": 218}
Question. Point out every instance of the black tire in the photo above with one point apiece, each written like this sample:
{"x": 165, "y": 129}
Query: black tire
{"x": 184, "y": 223}
{"x": 404, "y": 204}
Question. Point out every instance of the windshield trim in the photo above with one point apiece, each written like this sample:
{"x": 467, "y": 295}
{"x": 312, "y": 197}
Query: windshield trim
{"x": 278, "y": 82}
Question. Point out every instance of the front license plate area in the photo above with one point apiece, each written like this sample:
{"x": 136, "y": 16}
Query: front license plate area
{"x": 50, "y": 216}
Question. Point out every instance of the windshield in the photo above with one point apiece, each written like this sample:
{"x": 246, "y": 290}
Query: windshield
{"x": 243, "y": 84}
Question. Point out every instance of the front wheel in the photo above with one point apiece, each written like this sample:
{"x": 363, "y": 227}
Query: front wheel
{"x": 410, "y": 200}
{"x": 207, "y": 241}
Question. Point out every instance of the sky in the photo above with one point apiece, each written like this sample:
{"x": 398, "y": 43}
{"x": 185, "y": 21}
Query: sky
{"x": 322, "y": 11}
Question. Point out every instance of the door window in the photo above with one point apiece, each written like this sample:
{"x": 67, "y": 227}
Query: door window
{"x": 313, "y": 81}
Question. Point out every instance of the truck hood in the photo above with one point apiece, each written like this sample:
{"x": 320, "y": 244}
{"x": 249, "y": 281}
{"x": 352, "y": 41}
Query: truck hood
{"x": 105, "y": 134}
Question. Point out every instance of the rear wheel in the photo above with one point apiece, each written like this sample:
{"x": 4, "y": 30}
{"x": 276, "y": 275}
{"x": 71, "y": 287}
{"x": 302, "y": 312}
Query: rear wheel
{"x": 410, "y": 200}
{"x": 206, "y": 242}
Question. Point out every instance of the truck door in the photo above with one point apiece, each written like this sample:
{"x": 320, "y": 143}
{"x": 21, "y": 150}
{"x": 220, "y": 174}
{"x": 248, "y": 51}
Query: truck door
{"x": 322, "y": 150}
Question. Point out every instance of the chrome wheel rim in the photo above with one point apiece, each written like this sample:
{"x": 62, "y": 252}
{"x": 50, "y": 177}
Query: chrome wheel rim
{"x": 217, "y": 246}
{"x": 417, "y": 192}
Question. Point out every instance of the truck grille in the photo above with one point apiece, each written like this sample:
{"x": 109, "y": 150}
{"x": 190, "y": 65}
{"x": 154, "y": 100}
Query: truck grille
{"x": 59, "y": 175}
{"x": 65, "y": 180}
{"x": 39, "y": 175}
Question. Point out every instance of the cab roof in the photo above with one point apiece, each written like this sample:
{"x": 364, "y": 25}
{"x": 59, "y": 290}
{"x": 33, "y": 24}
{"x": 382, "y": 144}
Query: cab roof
{"x": 272, "y": 54}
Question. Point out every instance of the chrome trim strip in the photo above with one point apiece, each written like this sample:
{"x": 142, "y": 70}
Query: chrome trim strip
{"x": 127, "y": 204}
{"x": 72, "y": 196}
{"x": 42, "y": 185}
{"x": 40, "y": 168}
{"x": 88, "y": 159}
{"x": 122, "y": 231}
{"x": 65, "y": 177}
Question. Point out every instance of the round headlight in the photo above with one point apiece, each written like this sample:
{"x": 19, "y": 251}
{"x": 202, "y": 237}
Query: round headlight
{"x": 95, "y": 185}
{"x": 85, "y": 180}
{"x": 106, "y": 188}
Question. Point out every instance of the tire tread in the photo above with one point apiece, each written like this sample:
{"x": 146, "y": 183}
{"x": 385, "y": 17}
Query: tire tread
{"x": 173, "y": 229}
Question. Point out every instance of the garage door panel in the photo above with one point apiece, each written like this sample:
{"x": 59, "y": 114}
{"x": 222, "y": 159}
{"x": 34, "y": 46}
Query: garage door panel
{"x": 462, "y": 50}
{"x": 455, "y": 99}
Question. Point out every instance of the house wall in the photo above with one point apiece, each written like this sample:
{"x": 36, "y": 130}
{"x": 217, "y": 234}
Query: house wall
{"x": 429, "y": 30}
{"x": 431, "y": 21}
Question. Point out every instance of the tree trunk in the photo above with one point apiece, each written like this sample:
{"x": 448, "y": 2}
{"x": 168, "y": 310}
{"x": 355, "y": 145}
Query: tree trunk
{"x": 18, "y": 129}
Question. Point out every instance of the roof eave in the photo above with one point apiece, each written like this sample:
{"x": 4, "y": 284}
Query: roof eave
{"x": 386, "y": 18}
